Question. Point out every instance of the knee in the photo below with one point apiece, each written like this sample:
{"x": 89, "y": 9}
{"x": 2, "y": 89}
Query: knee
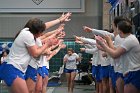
{"x": 72, "y": 80}
{"x": 38, "y": 89}
{"x": 31, "y": 91}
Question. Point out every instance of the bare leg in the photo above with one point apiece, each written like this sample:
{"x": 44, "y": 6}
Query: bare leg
{"x": 73, "y": 75}
{"x": 19, "y": 86}
{"x": 68, "y": 81}
{"x": 38, "y": 88}
{"x": 111, "y": 90}
{"x": 100, "y": 87}
{"x": 97, "y": 87}
{"x": 105, "y": 84}
{"x": 129, "y": 88}
{"x": 45, "y": 83}
{"x": 119, "y": 85}
{"x": 31, "y": 85}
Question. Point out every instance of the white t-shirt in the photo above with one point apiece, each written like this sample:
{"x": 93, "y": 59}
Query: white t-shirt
{"x": 102, "y": 60}
{"x": 131, "y": 57}
{"x": 41, "y": 60}
{"x": 118, "y": 67}
{"x": 71, "y": 63}
{"x": 19, "y": 56}
{"x": 97, "y": 56}
{"x": 89, "y": 41}
{"x": 35, "y": 62}
{"x": 44, "y": 61}
{"x": 102, "y": 33}
{"x": 92, "y": 51}
{"x": 88, "y": 46}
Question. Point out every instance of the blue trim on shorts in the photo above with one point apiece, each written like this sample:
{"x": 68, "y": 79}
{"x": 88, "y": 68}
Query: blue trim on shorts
{"x": 9, "y": 73}
{"x": 70, "y": 70}
{"x": 31, "y": 73}
{"x": 133, "y": 77}
{"x": 39, "y": 71}
{"x": 104, "y": 72}
{"x": 45, "y": 71}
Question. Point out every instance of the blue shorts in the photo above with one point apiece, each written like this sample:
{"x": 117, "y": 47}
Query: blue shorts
{"x": 39, "y": 71}
{"x": 94, "y": 70}
{"x": 9, "y": 73}
{"x": 45, "y": 71}
{"x": 31, "y": 73}
{"x": 97, "y": 76}
{"x": 133, "y": 78}
{"x": 119, "y": 75}
{"x": 104, "y": 72}
{"x": 112, "y": 75}
{"x": 70, "y": 70}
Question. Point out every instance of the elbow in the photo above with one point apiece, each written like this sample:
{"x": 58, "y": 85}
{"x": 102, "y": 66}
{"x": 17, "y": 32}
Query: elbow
{"x": 34, "y": 54}
{"x": 114, "y": 56}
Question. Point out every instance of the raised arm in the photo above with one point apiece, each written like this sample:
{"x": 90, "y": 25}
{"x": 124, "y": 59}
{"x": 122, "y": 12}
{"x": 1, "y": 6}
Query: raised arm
{"x": 88, "y": 40}
{"x": 53, "y": 33}
{"x": 88, "y": 46}
{"x": 63, "y": 18}
{"x": 54, "y": 52}
{"x": 101, "y": 33}
{"x": 90, "y": 51}
{"x": 85, "y": 40}
{"x": 36, "y": 51}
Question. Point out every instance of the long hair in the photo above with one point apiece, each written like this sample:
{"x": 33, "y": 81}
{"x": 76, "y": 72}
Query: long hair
{"x": 35, "y": 26}
{"x": 70, "y": 49}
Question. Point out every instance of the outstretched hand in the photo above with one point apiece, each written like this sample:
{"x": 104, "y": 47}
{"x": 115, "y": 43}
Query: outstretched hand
{"x": 63, "y": 46}
{"x": 65, "y": 17}
{"x": 87, "y": 29}
{"x": 77, "y": 38}
{"x": 82, "y": 49}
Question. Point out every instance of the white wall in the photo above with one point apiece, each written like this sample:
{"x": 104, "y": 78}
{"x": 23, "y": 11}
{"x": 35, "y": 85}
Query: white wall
{"x": 10, "y": 24}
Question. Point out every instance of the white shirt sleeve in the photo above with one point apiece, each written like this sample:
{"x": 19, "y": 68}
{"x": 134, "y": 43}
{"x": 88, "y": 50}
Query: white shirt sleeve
{"x": 102, "y": 33}
{"x": 28, "y": 38}
{"x": 88, "y": 46}
{"x": 89, "y": 41}
{"x": 91, "y": 51}
{"x": 66, "y": 56}
{"x": 77, "y": 56}
{"x": 126, "y": 44}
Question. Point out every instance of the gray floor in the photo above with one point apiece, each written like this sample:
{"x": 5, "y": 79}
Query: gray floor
{"x": 79, "y": 88}
{"x": 3, "y": 88}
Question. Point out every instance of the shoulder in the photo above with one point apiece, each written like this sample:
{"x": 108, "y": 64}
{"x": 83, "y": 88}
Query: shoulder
{"x": 131, "y": 39}
{"x": 75, "y": 54}
{"x": 26, "y": 32}
{"x": 66, "y": 55}
{"x": 38, "y": 41}
{"x": 130, "y": 42}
